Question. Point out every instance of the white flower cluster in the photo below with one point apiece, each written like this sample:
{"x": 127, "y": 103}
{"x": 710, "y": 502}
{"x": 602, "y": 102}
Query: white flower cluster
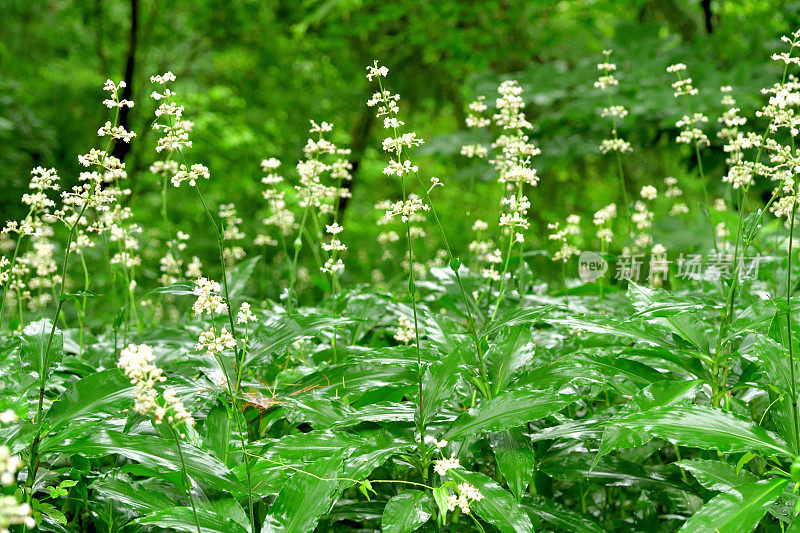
{"x": 333, "y": 265}
{"x": 136, "y": 362}
{"x": 603, "y": 218}
{"x": 515, "y": 218}
{"x": 673, "y": 191}
{"x": 407, "y": 210}
{"x": 231, "y": 234}
{"x": 190, "y": 174}
{"x": 692, "y": 131}
{"x": 642, "y": 217}
{"x": 115, "y": 132}
{"x": 245, "y": 314}
{"x": 311, "y": 190}
{"x": 607, "y": 69}
{"x": 405, "y": 332}
{"x": 441, "y": 466}
{"x": 467, "y": 494}
{"x": 169, "y": 117}
{"x": 564, "y": 235}
{"x": 376, "y": 70}
{"x": 213, "y": 343}
{"x": 113, "y": 90}
{"x": 683, "y": 86}
{"x": 280, "y": 216}
{"x": 208, "y": 298}
{"x": 476, "y": 118}
{"x": 615, "y": 145}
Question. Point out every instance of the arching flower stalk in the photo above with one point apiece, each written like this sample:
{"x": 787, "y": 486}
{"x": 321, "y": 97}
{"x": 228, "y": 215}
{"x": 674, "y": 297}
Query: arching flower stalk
{"x": 396, "y": 146}
{"x": 174, "y": 129}
{"x": 12, "y": 274}
{"x": 603, "y": 220}
{"x": 513, "y": 153}
{"x": 567, "y": 237}
{"x": 90, "y": 192}
{"x": 399, "y": 165}
{"x": 314, "y": 196}
{"x": 691, "y": 125}
{"x": 616, "y": 144}
{"x": 137, "y": 363}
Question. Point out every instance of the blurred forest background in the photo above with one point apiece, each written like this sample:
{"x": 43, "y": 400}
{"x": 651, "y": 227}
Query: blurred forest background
{"x": 253, "y": 72}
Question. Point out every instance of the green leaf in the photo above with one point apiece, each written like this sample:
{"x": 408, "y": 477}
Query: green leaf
{"x": 182, "y": 519}
{"x": 512, "y": 349}
{"x": 237, "y": 280}
{"x": 142, "y": 496}
{"x": 560, "y": 516}
{"x": 707, "y": 428}
{"x": 512, "y": 318}
{"x": 216, "y": 431}
{"x": 438, "y": 382}
{"x": 159, "y": 456}
{"x": 275, "y": 336}
{"x": 716, "y": 475}
{"x": 498, "y": 506}
{"x": 98, "y": 395}
{"x": 739, "y": 511}
{"x": 678, "y": 320}
{"x": 35, "y": 338}
{"x": 515, "y": 459}
{"x": 440, "y": 497}
{"x": 507, "y": 410}
{"x": 664, "y": 393}
{"x": 305, "y": 497}
{"x": 406, "y": 512}
{"x": 49, "y": 510}
{"x": 176, "y": 289}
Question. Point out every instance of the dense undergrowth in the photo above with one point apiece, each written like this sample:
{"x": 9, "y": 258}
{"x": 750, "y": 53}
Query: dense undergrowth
{"x": 462, "y": 395}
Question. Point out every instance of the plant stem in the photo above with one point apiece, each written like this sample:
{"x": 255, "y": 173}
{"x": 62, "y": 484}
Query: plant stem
{"x": 186, "y": 479}
{"x": 298, "y": 244}
{"x": 412, "y": 289}
{"x": 789, "y": 328}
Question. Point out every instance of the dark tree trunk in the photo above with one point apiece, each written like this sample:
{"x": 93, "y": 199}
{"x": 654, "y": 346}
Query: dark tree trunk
{"x": 121, "y": 149}
{"x": 706, "y": 4}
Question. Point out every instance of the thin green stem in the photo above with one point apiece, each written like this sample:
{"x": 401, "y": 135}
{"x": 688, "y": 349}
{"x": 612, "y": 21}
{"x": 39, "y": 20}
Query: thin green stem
{"x": 789, "y": 328}
{"x": 186, "y": 479}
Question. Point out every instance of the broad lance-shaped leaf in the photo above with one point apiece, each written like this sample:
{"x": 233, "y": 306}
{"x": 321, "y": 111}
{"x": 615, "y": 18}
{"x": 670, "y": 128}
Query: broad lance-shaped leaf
{"x": 707, "y": 428}
{"x": 558, "y": 515}
{"x": 513, "y": 348}
{"x": 663, "y": 393}
{"x": 437, "y": 384}
{"x": 716, "y": 475}
{"x": 512, "y": 318}
{"x": 686, "y": 326}
{"x": 498, "y": 506}
{"x": 275, "y": 336}
{"x": 182, "y": 519}
{"x": 143, "y": 497}
{"x": 407, "y": 511}
{"x": 507, "y": 410}
{"x": 739, "y": 511}
{"x": 637, "y": 330}
{"x": 306, "y": 497}
{"x": 515, "y": 459}
{"x": 157, "y": 454}
{"x": 34, "y": 348}
{"x": 240, "y": 276}
{"x": 97, "y": 395}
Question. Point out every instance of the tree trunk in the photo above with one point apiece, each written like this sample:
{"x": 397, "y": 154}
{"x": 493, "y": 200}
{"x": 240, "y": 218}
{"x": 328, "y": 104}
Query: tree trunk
{"x": 121, "y": 149}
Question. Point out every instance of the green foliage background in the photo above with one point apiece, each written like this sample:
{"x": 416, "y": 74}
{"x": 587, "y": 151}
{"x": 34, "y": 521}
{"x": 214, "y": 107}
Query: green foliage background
{"x": 252, "y": 73}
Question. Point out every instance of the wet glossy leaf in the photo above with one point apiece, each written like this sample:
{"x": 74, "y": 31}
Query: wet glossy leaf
{"x": 406, "y": 512}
